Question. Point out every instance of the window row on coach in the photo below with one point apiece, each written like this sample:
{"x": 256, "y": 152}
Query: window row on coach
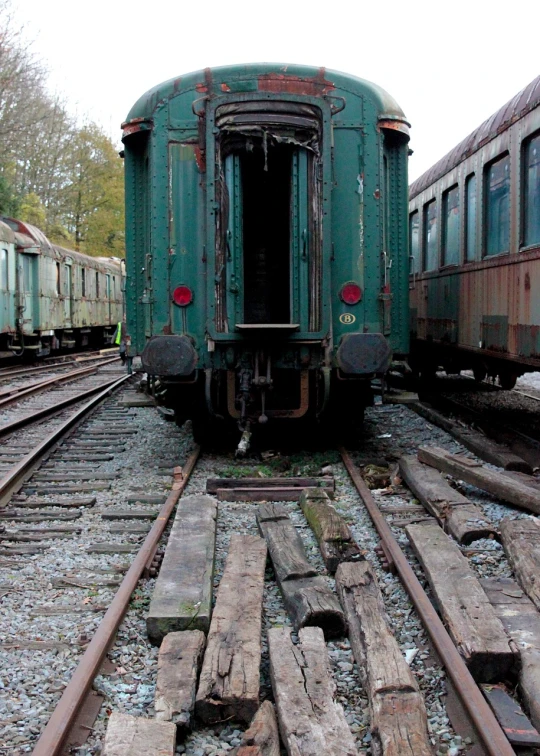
{"x": 486, "y": 206}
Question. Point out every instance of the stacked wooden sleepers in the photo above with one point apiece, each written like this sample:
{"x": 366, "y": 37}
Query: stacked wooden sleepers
{"x": 209, "y": 660}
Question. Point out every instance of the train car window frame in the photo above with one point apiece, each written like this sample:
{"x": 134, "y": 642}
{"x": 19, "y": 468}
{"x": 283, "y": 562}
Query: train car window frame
{"x": 57, "y": 280}
{"x": 97, "y": 285}
{"x": 497, "y": 235}
{"x": 471, "y": 215}
{"x": 531, "y": 192}
{"x": 430, "y": 246}
{"x": 415, "y": 259}
{"x": 455, "y": 238}
{"x": 83, "y": 282}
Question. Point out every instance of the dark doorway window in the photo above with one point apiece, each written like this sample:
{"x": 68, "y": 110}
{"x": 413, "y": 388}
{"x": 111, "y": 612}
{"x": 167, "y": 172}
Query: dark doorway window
{"x": 266, "y": 192}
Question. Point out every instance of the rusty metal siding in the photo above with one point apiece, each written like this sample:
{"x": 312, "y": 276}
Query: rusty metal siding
{"x": 498, "y": 311}
{"x": 87, "y": 312}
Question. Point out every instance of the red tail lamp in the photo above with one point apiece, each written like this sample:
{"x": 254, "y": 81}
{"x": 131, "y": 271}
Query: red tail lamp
{"x": 182, "y": 296}
{"x": 350, "y": 293}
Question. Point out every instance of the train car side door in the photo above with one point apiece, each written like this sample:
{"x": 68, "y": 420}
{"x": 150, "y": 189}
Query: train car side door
{"x": 108, "y": 296}
{"x": 68, "y": 292}
{"x": 26, "y": 273}
{"x": 7, "y": 314}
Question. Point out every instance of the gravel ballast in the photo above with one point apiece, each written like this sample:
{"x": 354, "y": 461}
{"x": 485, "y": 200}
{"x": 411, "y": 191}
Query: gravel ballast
{"x": 31, "y": 682}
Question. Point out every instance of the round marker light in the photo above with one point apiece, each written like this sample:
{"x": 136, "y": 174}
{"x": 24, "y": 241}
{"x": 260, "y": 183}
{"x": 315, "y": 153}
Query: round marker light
{"x": 351, "y": 293}
{"x": 182, "y": 296}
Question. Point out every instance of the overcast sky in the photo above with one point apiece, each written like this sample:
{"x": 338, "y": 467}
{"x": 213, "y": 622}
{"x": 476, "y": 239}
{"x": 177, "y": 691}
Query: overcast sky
{"x": 450, "y": 65}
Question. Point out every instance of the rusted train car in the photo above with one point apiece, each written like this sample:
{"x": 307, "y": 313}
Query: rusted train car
{"x": 474, "y": 233}
{"x": 54, "y": 298}
{"x": 266, "y": 235}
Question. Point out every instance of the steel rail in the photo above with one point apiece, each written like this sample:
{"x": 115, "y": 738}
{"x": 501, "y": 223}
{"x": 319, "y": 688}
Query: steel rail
{"x": 14, "y": 371}
{"x": 19, "y": 472}
{"x": 63, "y": 717}
{"x": 53, "y": 410}
{"x": 493, "y": 738}
{"x": 494, "y": 428}
{"x": 16, "y": 394}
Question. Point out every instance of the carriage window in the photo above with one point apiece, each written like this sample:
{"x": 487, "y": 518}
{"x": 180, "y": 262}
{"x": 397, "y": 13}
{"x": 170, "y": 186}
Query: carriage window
{"x": 57, "y": 280}
{"x": 107, "y": 286}
{"x": 498, "y": 206}
{"x": 4, "y": 285}
{"x": 430, "y": 235}
{"x": 113, "y": 287}
{"x": 97, "y": 285}
{"x": 470, "y": 218}
{"x": 532, "y": 192}
{"x": 414, "y": 241}
{"x": 83, "y": 282}
{"x": 451, "y": 227}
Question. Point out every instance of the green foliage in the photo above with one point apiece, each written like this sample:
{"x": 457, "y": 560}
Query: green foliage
{"x": 63, "y": 177}
{"x": 9, "y": 202}
{"x": 94, "y": 197}
{"x": 32, "y": 210}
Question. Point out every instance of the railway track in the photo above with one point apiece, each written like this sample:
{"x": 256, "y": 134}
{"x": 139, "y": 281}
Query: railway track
{"x": 412, "y": 620}
{"x": 508, "y": 418}
{"x": 20, "y": 376}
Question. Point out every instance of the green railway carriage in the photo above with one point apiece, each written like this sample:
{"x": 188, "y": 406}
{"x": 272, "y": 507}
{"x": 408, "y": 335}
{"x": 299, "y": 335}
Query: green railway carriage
{"x": 7, "y": 275}
{"x": 267, "y": 254}
{"x": 54, "y": 298}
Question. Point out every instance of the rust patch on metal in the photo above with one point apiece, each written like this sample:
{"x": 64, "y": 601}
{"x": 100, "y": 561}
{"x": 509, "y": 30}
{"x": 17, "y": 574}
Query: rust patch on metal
{"x": 206, "y": 85}
{"x": 225, "y": 87}
{"x": 200, "y": 158}
{"x": 392, "y": 125}
{"x": 167, "y": 330}
{"x": 275, "y": 82}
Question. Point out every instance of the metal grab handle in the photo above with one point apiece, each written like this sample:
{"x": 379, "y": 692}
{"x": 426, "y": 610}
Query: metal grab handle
{"x": 336, "y": 108}
{"x": 199, "y": 113}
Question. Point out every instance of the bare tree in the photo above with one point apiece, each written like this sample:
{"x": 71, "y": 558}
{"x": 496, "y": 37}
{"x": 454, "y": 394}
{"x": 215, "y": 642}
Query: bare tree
{"x": 23, "y": 97}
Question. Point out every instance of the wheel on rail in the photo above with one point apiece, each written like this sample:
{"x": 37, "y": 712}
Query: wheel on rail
{"x": 507, "y": 380}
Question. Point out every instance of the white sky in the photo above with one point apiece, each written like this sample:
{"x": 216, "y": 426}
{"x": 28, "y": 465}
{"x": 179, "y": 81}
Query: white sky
{"x": 450, "y": 64}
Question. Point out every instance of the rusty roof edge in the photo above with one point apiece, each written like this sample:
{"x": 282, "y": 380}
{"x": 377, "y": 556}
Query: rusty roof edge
{"x": 498, "y": 122}
{"x": 146, "y": 105}
{"x": 391, "y": 117}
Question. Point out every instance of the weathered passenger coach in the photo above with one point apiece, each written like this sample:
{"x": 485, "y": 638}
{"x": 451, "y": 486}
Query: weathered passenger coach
{"x": 54, "y": 298}
{"x": 266, "y": 240}
{"x": 475, "y": 245}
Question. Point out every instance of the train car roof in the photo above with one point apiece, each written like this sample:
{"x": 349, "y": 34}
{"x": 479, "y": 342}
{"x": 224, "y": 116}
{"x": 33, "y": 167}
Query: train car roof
{"x": 516, "y": 108}
{"x": 90, "y": 261}
{"x": 298, "y": 79}
{"x": 29, "y": 237}
{"x": 26, "y": 234}
{"x": 6, "y": 234}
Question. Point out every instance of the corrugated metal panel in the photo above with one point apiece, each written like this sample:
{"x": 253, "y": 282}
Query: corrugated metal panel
{"x": 515, "y": 109}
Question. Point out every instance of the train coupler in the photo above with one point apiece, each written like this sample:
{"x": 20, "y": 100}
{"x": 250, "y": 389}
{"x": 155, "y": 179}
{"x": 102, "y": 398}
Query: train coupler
{"x": 245, "y": 441}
